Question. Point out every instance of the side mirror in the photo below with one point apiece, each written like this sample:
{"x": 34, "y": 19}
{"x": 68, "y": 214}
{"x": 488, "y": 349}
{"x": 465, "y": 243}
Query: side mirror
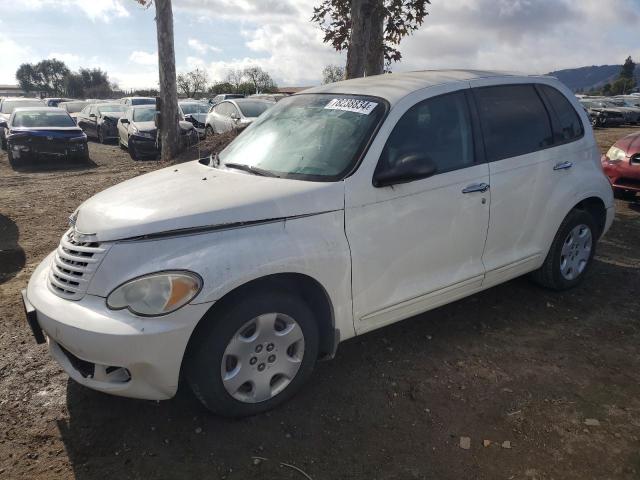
{"x": 235, "y": 116}
{"x": 411, "y": 167}
{"x": 124, "y": 120}
{"x": 92, "y": 115}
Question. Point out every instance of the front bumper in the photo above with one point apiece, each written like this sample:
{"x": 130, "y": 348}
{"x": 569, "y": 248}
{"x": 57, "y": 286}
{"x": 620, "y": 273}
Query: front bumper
{"x": 110, "y": 351}
{"x": 144, "y": 146}
{"x": 623, "y": 175}
{"x": 68, "y": 152}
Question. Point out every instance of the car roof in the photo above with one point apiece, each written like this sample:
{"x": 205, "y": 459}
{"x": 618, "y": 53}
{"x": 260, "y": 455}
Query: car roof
{"x": 392, "y": 87}
{"x": 240, "y": 101}
{"x": 39, "y": 109}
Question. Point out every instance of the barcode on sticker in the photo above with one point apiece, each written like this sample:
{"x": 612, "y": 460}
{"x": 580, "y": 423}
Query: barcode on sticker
{"x": 363, "y": 107}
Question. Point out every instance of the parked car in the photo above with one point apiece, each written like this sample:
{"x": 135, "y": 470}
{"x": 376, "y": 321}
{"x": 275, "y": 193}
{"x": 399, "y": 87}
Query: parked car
{"x": 601, "y": 115}
{"x": 55, "y": 101}
{"x": 334, "y": 214}
{"x": 100, "y": 120}
{"x": 73, "y": 108}
{"x": 630, "y": 112}
{"x": 137, "y": 132}
{"x": 134, "y": 101}
{"x": 196, "y": 113}
{"x": 234, "y": 114}
{"x": 7, "y": 106}
{"x": 622, "y": 165}
{"x": 224, "y": 96}
{"x": 44, "y": 134}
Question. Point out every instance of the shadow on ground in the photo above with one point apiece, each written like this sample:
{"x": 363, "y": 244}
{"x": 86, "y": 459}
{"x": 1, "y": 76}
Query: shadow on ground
{"x": 12, "y": 257}
{"x": 35, "y": 167}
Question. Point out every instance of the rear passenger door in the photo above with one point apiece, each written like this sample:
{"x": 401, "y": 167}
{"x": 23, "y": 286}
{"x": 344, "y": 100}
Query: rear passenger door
{"x": 521, "y": 137}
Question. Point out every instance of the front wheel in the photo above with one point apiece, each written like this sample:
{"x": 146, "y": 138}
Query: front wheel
{"x": 254, "y": 355}
{"x": 571, "y": 253}
{"x": 209, "y": 132}
{"x": 100, "y": 136}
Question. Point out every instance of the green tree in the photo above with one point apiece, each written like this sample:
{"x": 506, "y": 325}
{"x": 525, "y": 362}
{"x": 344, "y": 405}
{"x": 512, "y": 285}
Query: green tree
{"x": 45, "y": 76}
{"x": 369, "y": 30}
{"x": 221, "y": 87}
{"x": 194, "y": 83}
{"x": 332, "y": 73}
{"x": 261, "y": 80}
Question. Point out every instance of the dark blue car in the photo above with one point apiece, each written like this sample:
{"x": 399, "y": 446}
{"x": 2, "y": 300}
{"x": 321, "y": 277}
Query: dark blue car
{"x": 44, "y": 135}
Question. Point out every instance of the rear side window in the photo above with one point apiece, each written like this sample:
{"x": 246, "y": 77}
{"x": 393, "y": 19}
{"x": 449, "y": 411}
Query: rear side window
{"x": 514, "y": 121}
{"x": 439, "y": 128}
{"x": 567, "y": 126}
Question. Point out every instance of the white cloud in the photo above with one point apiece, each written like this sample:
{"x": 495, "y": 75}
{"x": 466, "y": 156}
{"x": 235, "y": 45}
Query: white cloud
{"x": 13, "y": 55}
{"x": 201, "y": 47}
{"x": 104, "y": 10}
{"x": 144, "y": 58}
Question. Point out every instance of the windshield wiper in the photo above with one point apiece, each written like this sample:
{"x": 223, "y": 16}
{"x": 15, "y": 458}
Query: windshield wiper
{"x": 250, "y": 169}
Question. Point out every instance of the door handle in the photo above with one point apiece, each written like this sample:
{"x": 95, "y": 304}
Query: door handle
{"x": 476, "y": 187}
{"x": 563, "y": 166}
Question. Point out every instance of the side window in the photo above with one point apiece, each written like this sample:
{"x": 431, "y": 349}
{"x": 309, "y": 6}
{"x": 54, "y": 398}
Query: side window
{"x": 569, "y": 127}
{"x": 438, "y": 129}
{"x": 514, "y": 121}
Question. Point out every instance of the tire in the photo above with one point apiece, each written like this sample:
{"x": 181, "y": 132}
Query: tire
{"x": 624, "y": 194}
{"x": 3, "y": 143}
{"x": 100, "y": 136}
{"x": 209, "y": 131}
{"x": 577, "y": 263}
{"x": 11, "y": 160}
{"x": 215, "y": 343}
{"x": 122, "y": 145}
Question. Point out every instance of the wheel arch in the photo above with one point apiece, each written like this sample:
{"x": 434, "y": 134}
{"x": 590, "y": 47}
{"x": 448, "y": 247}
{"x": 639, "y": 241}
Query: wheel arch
{"x": 596, "y": 207}
{"x": 308, "y": 288}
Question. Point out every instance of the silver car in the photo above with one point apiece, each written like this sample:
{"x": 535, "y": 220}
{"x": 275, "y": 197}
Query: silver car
{"x": 234, "y": 114}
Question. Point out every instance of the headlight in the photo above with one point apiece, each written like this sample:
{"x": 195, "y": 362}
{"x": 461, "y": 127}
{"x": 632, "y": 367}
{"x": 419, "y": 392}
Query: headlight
{"x": 616, "y": 155}
{"x": 156, "y": 294}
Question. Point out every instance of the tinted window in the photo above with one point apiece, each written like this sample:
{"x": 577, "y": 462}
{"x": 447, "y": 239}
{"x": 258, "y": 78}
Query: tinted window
{"x": 514, "y": 121}
{"x": 143, "y": 101}
{"x": 569, "y": 127}
{"x": 438, "y": 128}
{"x": 252, "y": 109}
{"x": 35, "y": 118}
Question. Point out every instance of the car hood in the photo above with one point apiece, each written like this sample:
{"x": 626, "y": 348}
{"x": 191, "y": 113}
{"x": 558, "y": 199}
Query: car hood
{"x": 195, "y": 196}
{"x": 57, "y": 132}
{"x": 145, "y": 126}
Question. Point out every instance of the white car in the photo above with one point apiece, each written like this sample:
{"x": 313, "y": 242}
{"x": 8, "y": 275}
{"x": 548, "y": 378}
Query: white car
{"x": 343, "y": 209}
{"x": 195, "y": 112}
{"x": 234, "y": 114}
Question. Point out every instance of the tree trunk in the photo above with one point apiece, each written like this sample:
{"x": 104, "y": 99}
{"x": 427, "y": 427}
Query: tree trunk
{"x": 365, "y": 54}
{"x": 375, "y": 51}
{"x": 169, "y": 128}
{"x": 357, "y": 51}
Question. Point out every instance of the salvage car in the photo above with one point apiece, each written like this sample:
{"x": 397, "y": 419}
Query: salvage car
{"x": 137, "y": 132}
{"x": 601, "y": 115}
{"x": 621, "y": 164}
{"x": 100, "y": 120}
{"x": 224, "y": 96}
{"x": 55, "y": 101}
{"x": 234, "y": 114}
{"x": 7, "y": 105}
{"x": 44, "y": 135}
{"x": 195, "y": 113}
{"x": 133, "y": 101}
{"x": 342, "y": 209}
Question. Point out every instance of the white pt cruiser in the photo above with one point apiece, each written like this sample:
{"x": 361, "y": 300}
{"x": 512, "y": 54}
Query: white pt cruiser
{"x": 340, "y": 210}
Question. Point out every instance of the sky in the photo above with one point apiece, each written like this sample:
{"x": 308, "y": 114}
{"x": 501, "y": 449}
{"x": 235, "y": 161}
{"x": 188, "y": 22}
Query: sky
{"x": 529, "y": 36}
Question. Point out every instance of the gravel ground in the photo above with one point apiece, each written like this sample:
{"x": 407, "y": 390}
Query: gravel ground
{"x": 537, "y": 385}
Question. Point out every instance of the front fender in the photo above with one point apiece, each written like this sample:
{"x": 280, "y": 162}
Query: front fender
{"x": 315, "y": 246}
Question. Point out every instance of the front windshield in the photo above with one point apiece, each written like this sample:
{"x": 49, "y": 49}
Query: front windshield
{"x": 111, "y": 108}
{"x": 8, "y": 106}
{"x": 309, "y": 137}
{"x": 143, "y": 114}
{"x": 40, "y": 118}
{"x": 73, "y": 107}
{"x": 191, "y": 108}
{"x": 253, "y": 109}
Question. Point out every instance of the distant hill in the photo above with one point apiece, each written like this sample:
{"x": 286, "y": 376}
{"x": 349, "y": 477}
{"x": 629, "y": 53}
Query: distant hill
{"x": 588, "y": 78}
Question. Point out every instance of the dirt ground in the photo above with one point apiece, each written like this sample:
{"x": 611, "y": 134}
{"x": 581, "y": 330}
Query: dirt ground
{"x": 555, "y": 375}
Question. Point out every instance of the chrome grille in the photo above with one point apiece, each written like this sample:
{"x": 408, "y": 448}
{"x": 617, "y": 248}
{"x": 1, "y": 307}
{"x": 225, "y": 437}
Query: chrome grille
{"x": 73, "y": 265}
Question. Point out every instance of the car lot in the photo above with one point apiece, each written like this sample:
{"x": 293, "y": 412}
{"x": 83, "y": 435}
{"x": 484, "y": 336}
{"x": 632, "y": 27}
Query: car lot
{"x": 514, "y": 363}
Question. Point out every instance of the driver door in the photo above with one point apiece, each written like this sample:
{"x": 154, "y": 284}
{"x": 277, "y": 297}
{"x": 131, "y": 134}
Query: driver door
{"x": 419, "y": 245}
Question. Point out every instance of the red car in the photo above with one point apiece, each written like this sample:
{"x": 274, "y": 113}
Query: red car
{"x": 622, "y": 165}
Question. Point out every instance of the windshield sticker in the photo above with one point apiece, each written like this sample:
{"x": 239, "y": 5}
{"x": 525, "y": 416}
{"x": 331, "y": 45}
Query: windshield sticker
{"x": 351, "y": 105}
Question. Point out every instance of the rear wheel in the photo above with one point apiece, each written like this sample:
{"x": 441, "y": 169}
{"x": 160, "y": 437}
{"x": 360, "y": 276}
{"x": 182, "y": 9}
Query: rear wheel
{"x": 255, "y": 355}
{"x": 571, "y": 252}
